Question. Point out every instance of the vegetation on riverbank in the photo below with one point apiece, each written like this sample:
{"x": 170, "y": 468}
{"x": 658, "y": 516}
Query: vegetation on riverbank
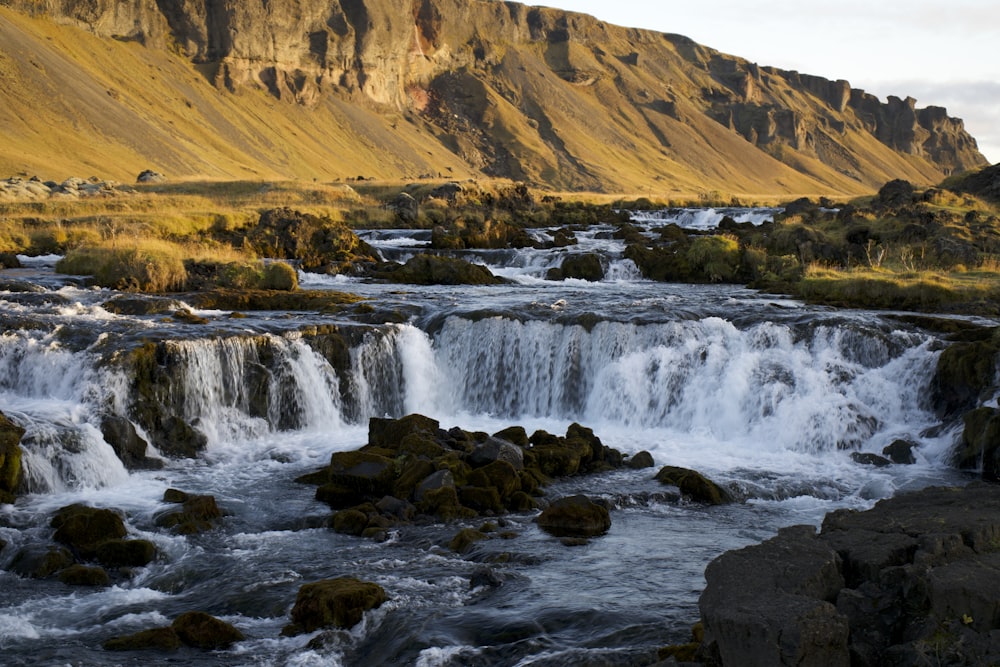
{"x": 931, "y": 250}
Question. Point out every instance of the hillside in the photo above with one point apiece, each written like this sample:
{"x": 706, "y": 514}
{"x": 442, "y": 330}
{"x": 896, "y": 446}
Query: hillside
{"x": 307, "y": 89}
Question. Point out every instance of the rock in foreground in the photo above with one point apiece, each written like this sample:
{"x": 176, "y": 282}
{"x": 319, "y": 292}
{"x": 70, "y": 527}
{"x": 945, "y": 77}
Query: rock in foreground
{"x": 916, "y": 576}
{"x": 333, "y": 602}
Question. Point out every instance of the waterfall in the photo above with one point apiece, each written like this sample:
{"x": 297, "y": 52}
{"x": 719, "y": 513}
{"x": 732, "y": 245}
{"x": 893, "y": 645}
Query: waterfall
{"x": 828, "y": 388}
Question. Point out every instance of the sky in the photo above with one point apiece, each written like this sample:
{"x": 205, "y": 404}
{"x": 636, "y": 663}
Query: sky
{"x": 941, "y": 54}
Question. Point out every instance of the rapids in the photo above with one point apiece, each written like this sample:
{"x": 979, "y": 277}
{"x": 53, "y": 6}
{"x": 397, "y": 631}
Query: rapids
{"x": 761, "y": 393}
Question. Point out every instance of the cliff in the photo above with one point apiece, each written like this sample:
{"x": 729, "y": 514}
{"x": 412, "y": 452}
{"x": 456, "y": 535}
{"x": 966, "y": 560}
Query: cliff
{"x": 330, "y": 89}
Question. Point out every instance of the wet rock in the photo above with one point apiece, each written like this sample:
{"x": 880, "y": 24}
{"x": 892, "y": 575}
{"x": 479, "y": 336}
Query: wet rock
{"x": 437, "y": 270}
{"x": 693, "y": 485}
{"x": 641, "y": 460}
{"x": 497, "y": 449}
{"x": 464, "y": 539}
{"x": 84, "y": 575}
{"x": 485, "y": 577}
{"x": 9, "y": 260}
{"x": 965, "y": 374}
{"x": 575, "y": 516}
{"x": 362, "y": 471}
{"x": 350, "y": 522}
{"x": 498, "y": 475}
{"x": 10, "y": 458}
{"x": 900, "y": 452}
{"x": 586, "y": 266}
{"x": 83, "y": 529}
{"x": 770, "y": 604}
{"x": 319, "y": 243}
{"x": 333, "y": 602}
{"x": 126, "y": 553}
{"x": 513, "y": 434}
{"x": 200, "y": 630}
{"x": 870, "y": 459}
{"x": 140, "y": 305}
{"x": 434, "y": 482}
{"x": 979, "y": 448}
{"x": 40, "y": 561}
{"x": 197, "y": 514}
{"x": 388, "y": 433}
{"x": 155, "y": 639}
{"x": 129, "y": 446}
{"x": 918, "y": 570}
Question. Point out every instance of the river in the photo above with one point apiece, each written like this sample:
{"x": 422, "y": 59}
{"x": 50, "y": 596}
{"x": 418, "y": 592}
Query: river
{"x": 763, "y": 394}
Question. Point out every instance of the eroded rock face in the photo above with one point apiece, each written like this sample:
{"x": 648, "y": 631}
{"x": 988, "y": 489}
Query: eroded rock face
{"x": 918, "y": 572}
{"x": 463, "y": 64}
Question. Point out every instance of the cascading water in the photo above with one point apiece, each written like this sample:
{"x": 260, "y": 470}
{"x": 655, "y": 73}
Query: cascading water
{"x": 765, "y": 395}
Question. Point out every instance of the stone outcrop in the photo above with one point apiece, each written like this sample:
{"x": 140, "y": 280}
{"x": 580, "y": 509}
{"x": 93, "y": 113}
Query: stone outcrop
{"x": 517, "y": 91}
{"x": 10, "y": 458}
{"x": 917, "y": 576}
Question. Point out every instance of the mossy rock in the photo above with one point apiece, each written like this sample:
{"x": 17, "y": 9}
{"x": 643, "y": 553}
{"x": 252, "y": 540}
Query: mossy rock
{"x": 513, "y": 434}
{"x": 575, "y": 516}
{"x": 363, "y": 471}
{"x": 557, "y": 460}
{"x": 414, "y": 471}
{"x": 154, "y": 639}
{"x": 641, "y": 460}
{"x": 979, "y": 447}
{"x": 521, "y": 502}
{"x": 464, "y": 539}
{"x": 129, "y": 446}
{"x": 964, "y": 372}
{"x": 420, "y": 445}
{"x": 84, "y": 575}
{"x": 83, "y": 529}
{"x": 481, "y": 499}
{"x": 389, "y": 433}
{"x": 264, "y": 299}
{"x": 435, "y": 270}
{"x": 498, "y": 475}
{"x": 693, "y": 485}
{"x": 337, "y": 603}
{"x": 126, "y": 553}
{"x": 585, "y": 266}
{"x": 279, "y": 276}
{"x": 349, "y": 522}
{"x": 201, "y": 630}
{"x": 10, "y": 458}
{"x": 197, "y": 514}
{"x": 338, "y": 496}
{"x": 40, "y": 561}
{"x": 443, "y": 503}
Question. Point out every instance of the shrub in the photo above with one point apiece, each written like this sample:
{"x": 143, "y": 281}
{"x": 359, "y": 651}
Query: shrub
{"x": 280, "y": 276}
{"x": 717, "y": 257}
{"x": 149, "y": 266}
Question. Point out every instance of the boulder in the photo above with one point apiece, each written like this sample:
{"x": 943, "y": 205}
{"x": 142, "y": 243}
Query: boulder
{"x": 965, "y": 374}
{"x": 641, "y": 460}
{"x": 917, "y": 572}
{"x": 365, "y": 472}
{"x": 586, "y": 266}
{"x": 150, "y": 176}
{"x": 900, "y": 452}
{"x": 434, "y": 482}
{"x": 693, "y": 485}
{"x": 120, "y": 433}
{"x": 405, "y": 207}
{"x": 436, "y": 270}
{"x": 979, "y": 448}
{"x": 10, "y": 458}
{"x": 40, "y": 561}
{"x": 771, "y": 604}
{"x": 126, "y": 553}
{"x": 388, "y": 433}
{"x": 84, "y": 575}
{"x": 337, "y": 603}
{"x": 197, "y": 514}
{"x": 200, "y": 630}
{"x": 497, "y": 449}
{"x": 575, "y": 516}
{"x": 870, "y": 459}
{"x": 154, "y": 639}
{"x": 464, "y": 539}
{"x": 83, "y": 529}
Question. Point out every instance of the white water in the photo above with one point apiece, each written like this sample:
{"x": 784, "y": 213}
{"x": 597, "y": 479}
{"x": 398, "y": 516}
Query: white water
{"x": 764, "y": 395}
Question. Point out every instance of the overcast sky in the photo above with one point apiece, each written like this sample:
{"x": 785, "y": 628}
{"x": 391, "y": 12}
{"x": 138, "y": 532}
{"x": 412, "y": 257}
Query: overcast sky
{"x": 942, "y": 54}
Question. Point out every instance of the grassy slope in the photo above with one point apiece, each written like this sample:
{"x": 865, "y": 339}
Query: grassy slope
{"x": 75, "y": 104}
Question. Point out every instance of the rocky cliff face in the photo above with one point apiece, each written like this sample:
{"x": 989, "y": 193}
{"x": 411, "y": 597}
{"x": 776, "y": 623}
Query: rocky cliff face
{"x": 545, "y": 95}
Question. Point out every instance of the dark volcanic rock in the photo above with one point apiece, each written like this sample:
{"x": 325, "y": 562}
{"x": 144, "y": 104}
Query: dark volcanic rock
{"x": 198, "y": 629}
{"x": 900, "y": 452}
{"x": 83, "y": 529}
{"x": 156, "y": 639}
{"x": 916, "y": 573}
{"x": 10, "y": 458}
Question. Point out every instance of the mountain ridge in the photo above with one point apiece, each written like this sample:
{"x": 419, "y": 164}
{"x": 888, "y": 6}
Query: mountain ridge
{"x": 444, "y": 88}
